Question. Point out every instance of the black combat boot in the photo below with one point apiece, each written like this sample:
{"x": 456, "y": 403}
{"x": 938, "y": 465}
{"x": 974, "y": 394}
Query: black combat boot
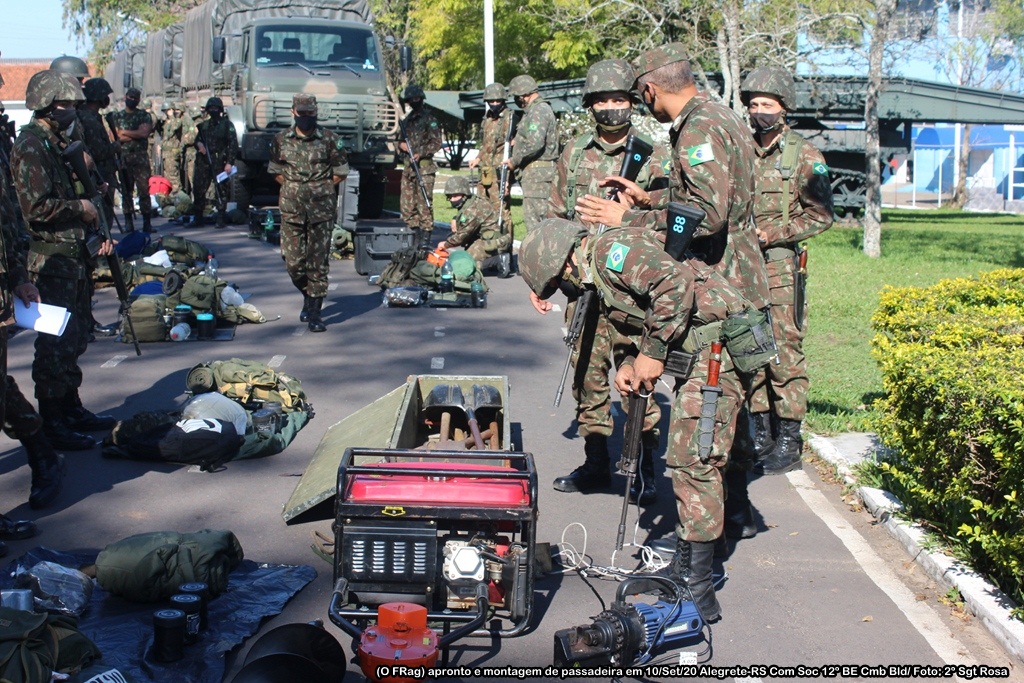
{"x": 764, "y": 442}
{"x": 81, "y": 419}
{"x": 505, "y": 265}
{"x": 593, "y": 474}
{"x": 788, "y": 448}
{"x": 316, "y": 324}
{"x": 16, "y": 530}
{"x": 644, "y": 487}
{"x": 56, "y": 429}
{"x": 147, "y": 226}
{"x": 690, "y": 567}
{"x": 47, "y": 468}
{"x": 304, "y": 313}
{"x": 739, "y": 518}
{"x": 129, "y": 222}
{"x": 108, "y": 330}
{"x": 221, "y": 220}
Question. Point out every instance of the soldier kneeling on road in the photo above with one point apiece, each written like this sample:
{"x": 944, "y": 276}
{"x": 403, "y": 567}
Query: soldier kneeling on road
{"x": 475, "y": 227}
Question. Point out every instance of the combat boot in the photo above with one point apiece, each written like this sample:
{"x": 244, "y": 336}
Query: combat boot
{"x": 690, "y": 568}
{"x": 56, "y": 428}
{"x": 739, "y": 517}
{"x": 48, "y": 468}
{"x": 764, "y": 442}
{"x": 788, "y": 447}
{"x": 505, "y": 265}
{"x": 221, "y": 220}
{"x": 593, "y": 474}
{"x": 129, "y": 222}
{"x": 147, "y": 225}
{"x": 644, "y": 488}
{"x": 316, "y": 324}
{"x": 12, "y": 530}
{"x": 81, "y": 419}
{"x": 304, "y": 313}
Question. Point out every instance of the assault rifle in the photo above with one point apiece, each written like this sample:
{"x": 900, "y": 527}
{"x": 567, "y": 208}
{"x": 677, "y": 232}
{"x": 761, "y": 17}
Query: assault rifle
{"x": 75, "y": 156}
{"x": 503, "y": 188}
{"x": 631, "y": 445}
{"x": 122, "y": 171}
{"x": 637, "y": 152}
{"x": 415, "y": 164}
{"x": 201, "y": 137}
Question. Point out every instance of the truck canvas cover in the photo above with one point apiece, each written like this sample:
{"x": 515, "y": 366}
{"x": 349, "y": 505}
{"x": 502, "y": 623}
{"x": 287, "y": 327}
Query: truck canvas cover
{"x": 160, "y": 46}
{"x": 228, "y": 17}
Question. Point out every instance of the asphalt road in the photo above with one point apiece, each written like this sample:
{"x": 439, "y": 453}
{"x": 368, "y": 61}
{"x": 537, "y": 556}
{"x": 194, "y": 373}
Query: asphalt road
{"x": 818, "y": 588}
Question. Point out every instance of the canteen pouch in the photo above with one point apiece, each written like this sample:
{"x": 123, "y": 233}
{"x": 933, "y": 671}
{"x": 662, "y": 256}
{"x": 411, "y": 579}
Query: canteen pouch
{"x": 748, "y": 338}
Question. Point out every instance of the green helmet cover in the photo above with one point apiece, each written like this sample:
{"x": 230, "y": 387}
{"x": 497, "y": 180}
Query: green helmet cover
{"x": 47, "y": 87}
{"x": 544, "y": 251}
{"x": 770, "y": 80}
{"x": 458, "y": 185}
{"x": 522, "y": 85}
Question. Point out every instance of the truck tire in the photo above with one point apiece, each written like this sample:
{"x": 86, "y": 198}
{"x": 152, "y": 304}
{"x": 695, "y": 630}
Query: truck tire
{"x": 371, "y": 194}
{"x": 240, "y": 194}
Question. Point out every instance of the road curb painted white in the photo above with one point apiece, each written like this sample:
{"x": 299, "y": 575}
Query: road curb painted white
{"x": 982, "y": 599}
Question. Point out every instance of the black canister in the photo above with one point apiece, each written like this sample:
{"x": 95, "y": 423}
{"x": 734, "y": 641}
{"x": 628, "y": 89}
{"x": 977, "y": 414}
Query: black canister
{"x": 183, "y": 314}
{"x": 192, "y": 606}
{"x": 203, "y": 591}
{"x": 168, "y": 635}
{"x": 207, "y": 325}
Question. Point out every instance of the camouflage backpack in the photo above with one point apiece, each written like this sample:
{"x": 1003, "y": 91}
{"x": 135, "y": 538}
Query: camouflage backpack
{"x": 147, "y": 316}
{"x": 398, "y": 271}
{"x": 249, "y": 382}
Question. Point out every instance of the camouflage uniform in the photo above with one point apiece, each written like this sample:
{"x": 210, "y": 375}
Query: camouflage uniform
{"x": 175, "y": 129}
{"x": 135, "y": 155}
{"x": 425, "y": 136}
{"x": 477, "y": 230}
{"x": 220, "y": 140}
{"x": 103, "y": 151}
{"x": 193, "y": 113}
{"x": 534, "y": 152}
{"x": 493, "y": 130}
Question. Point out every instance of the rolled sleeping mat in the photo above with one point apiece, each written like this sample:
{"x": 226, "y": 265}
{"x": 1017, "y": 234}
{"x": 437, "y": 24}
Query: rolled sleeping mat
{"x": 200, "y": 380}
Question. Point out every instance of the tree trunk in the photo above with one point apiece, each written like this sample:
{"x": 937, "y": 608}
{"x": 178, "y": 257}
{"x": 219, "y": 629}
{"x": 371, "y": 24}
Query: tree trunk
{"x": 960, "y": 191}
{"x": 731, "y": 16}
{"x": 884, "y": 10}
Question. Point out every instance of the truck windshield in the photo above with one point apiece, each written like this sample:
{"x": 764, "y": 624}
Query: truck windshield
{"x": 345, "y": 48}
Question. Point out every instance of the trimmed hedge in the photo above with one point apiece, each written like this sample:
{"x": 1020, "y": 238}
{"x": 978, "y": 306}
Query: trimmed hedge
{"x": 952, "y": 363}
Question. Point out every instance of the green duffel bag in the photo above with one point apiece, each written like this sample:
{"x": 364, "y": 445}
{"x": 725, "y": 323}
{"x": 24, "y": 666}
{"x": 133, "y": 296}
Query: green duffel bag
{"x": 184, "y": 250}
{"x": 147, "y": 314}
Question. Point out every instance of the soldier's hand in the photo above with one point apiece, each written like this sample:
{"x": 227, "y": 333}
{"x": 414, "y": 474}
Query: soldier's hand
{"x": 107, "y": 248}
{"x": 28, "y": 293}
{"x": 89, "y": 214}
{"x": 542, "y": 306}
{"x": 762, "y": 238}
{"x": 104, "y": 187}
{"x": 474, "y": 162}
{"x": 629, "y": 192}
{"x": 201, "y": 148}
{"x": 403, "y": 148}
{"x": 646, "y": 372}
{"x": 624, "y": 379}
{"x": 339, "y": 179}
{"x": 227, "y": 168}
{"x": 599, "y": 210}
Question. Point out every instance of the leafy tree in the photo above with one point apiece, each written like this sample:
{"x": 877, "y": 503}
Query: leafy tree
{"x": 112, "y": 25}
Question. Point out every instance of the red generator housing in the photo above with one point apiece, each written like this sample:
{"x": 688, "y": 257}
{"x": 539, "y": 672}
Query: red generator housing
{"x": 454, "y": 531}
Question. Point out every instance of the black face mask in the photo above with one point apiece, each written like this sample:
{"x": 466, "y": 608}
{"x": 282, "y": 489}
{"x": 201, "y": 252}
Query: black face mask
{"x": 63, "y": 118}
{"x": 305, "y": 122}
{"x": 214, "y": 114}
{"x": 105, "y": 102}
{"x": 612, "y": 120}
{"x": 457, "y": 204}
{"x": 766, "y": 123}
{"x": 131, "y": 104}
{"x": 416, "y": 105}
{"x": 495, "y": 109}
{"x": 521, "y": 102}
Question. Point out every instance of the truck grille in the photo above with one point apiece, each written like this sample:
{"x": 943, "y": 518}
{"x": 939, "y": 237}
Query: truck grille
{"x": 341, "y": 117}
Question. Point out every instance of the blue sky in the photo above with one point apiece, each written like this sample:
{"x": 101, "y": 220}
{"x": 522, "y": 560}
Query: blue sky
{"x": 32, "y": 28}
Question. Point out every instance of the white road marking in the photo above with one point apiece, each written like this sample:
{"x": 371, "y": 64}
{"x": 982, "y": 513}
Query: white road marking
{"x": 276, "y": 361}
{"x": 920, "y": 615}
{"x": 299, "y": 332}
{"x": 114, "y": 361}
{"x": 332, "y": 287}
{"x": 437, "y": 363}
{"x": 556, "y": 308}
{"x": 438, "y": 331}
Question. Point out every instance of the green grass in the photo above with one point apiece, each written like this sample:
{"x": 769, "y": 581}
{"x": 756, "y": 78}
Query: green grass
{"x": 918, "y": 248}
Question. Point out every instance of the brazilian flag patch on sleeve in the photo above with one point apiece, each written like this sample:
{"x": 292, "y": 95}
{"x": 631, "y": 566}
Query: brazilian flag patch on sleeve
{"x": 616, "y": 257}
{"x": 700, "y": 154}
{"x": 819, "y": 168}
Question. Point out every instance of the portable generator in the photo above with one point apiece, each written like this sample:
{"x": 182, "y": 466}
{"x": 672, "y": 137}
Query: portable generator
{"x": 451, "y": 531}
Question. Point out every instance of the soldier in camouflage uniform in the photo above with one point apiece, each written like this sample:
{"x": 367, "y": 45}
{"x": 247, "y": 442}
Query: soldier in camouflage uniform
{"x": 535, "y": 149}
{"x": 425, "y": 137}
{"x": 794, "y": 203}
{"x": 215, "y": 140}
{"x": 494, "y": 128}
{"x": 580, "y": 170}
{"x": 177, "y": 128}
{"x": 654, "y": 304}
{"x": 475, "y": 226}
{"x": 97, "y": 137}
{"x": 58, "y": 260}
{"x": 308, "y": 161}
{"x": 193, "y": 113}
{"x": 713, "y": 160}
{"x": 134, "y": 126}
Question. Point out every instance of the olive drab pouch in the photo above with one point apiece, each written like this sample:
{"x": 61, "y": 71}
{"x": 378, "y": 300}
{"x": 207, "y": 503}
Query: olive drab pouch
{"x": 748, "y": 338}
{"x": 201, "y": 292}
{"x": 397, "y": 272}
{"x": 147, "y": 314}
{"x": 252, "y": 383}
{"x": 184, "y": 250}
{"x": 486, "y": 176}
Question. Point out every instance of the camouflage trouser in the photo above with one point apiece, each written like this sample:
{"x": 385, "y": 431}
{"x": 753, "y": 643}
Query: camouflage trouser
{"x": 172, "y": 167}
{"x": 55, "y": 369}
{"x": 136, "y": 170}
{"x": 591, "y": 387}
{"x": 536, "y": 184}
{"x": 188, "y": 161}
{"x": 481, "y": 250}
{"x": 108, "y": 171}
{"x": 698, "y": 487}
{"x": 415, "y": 211}
{"x": 20, "y": 418}
{"x": 784, "y": 389}
{"x": 490, "y": 193}
{"x": 306, "y": 248}
{"x": 202, "y": 183}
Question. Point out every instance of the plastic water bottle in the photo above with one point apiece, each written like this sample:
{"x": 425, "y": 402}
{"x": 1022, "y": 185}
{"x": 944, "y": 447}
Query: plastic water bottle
{"x": 268, "y": 224}
{"x": 478, "y": 295}
{"x": 180, "y": 332}
{"x": 211, "y": 267}
{"x": 447, "y": 283}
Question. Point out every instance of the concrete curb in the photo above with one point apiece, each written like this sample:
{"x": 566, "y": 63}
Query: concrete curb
{"x": 989, "y": 604}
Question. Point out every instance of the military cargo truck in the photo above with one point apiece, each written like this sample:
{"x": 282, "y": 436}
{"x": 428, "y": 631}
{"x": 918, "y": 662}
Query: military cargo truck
{"x": 256, "y": 54}
{"x": 125, "y": 71}
{"x": 161, "y": 77}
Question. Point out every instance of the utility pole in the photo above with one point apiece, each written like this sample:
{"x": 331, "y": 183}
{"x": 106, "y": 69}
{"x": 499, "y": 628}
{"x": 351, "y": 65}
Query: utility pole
{"x": 488, "y": 41}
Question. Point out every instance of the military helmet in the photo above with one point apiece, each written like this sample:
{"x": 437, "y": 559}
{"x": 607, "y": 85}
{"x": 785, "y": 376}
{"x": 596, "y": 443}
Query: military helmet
{"x": 494, "y": 91}
{"x": 412, "y": 92}
{"x": 770, "y": 80}
{"x": 214, "y": 103}
{"x": 457, "y": 185}
{"x": 522, "y": 85}
{"x": 96, "y": 89}
{"x": 608, "y": 75}
{"x": 544, "y": 251}
{"x": 47, "y": 87}
{"x": 70, "y": 65}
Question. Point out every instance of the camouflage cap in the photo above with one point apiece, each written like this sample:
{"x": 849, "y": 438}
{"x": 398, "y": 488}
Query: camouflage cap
{"x": 73, "y": 66}
{"x": 96, "y": 89}
{"x": 659, "y": 57}
{"x": 522, "y": 85}
{"x": 133, "y": 94}
{"x": 544, "y": 251}
{"x": 304, "y": 104}
{"x": 608, "y": 75}
{"x": 495, "y": 91}
{"x": 458, "y": 185}
{"x": 413, "y": 92}
{"x": 47, "y": 87}
{"x": 770, "y": 80}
